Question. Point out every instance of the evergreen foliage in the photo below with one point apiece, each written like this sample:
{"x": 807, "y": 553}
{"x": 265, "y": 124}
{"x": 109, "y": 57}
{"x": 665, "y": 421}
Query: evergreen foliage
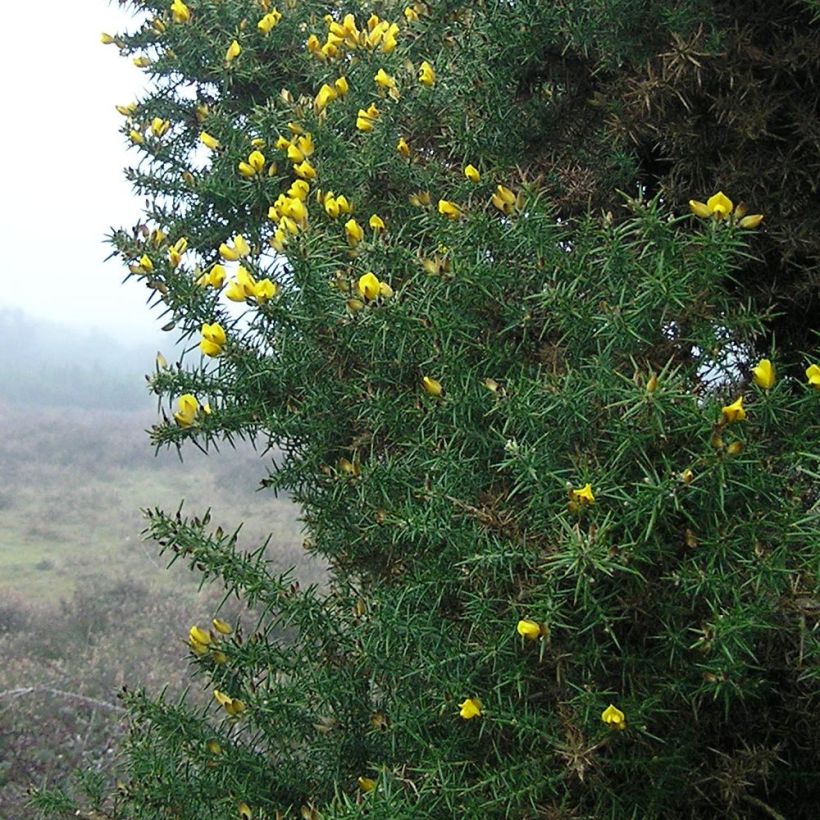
{"x": 511, "y": 420}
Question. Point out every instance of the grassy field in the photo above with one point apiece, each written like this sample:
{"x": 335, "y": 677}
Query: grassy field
{"x": 86, "y": 605}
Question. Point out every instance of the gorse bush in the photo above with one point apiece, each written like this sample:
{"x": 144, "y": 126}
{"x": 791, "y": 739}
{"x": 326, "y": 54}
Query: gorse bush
{"x": 568, "y": 504}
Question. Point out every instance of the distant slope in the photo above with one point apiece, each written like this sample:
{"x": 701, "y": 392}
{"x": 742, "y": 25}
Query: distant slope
{"x": 47, "y": 365}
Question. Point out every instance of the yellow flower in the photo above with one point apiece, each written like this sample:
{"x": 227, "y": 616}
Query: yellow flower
{"x": 234, "y": 50}
{"x": 213, "y": 339}
{"x": 366, "y": 119}
{"x": 180, "y": 12}
{"x": 449, "y": 209}
{"x": 305, "y": 170}
{"x": 213, "y": 747}
{"x": 265, "y": 291}
{"x": 214, "y": 278}
{"x": 614, "y": 717}
{"x": 470, "y": 709}
{"x": 107, "y": 39}
{"x": 141, "y": 61}
{"x": 427, "y": 75}
{"x": 763, "y": 374}
{"x": 367, "y": 784}
{"x": 734, "y": 412}
{"x": 344, "y": 206}
{"x": 719, "y": 205}
{"x": 529, "y": 630}
{"x": 402, "y": 147}
{"x": 504, "y": 199}
{"x": 369, "y": 286}
{"x": 159, "y": 127}
{"x": 327, "y": 93}
{"x": 813, "y": 375}
{"x": 127, "y": 110}
{"x": 209, "y": 141}
{"x": 221, "y": 626}
{"x": 472, "y": 173}
{"x": 185, "y": 416}
{"x": 342, "y": 86}
{"x": 256, "y": 159}
{"x": 411, "y": 15}
{"x": 376, "y": 223}
{"x": 240, "y": 249}
{"x": 145, "y": 264}
{"x": 197, "y": 635}
{"x": 354, "y": 232}
{"x": 432, "y": 386}
{"x": 245, "y": 811}
{"x": 384, "y": 80}
{"x": 269, "y": 21}
{"x": 752, "y": 221}
{"x": 136, "y": 137}
{"x": 420, "y": 199}
{"x": 385, "y": 291}
{"x": 583, "y": 495}
{"x": 241, "y": 288}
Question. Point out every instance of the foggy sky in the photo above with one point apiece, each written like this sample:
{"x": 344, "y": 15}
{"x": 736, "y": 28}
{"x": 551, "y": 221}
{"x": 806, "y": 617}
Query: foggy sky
{"x": 61, "y": 161}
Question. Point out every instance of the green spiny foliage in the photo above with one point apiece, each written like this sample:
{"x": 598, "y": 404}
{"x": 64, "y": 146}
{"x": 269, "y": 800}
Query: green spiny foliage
{"x": 532, "y": 419}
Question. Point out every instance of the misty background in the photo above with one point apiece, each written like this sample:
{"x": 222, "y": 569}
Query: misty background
{"x": 87, "y": 606}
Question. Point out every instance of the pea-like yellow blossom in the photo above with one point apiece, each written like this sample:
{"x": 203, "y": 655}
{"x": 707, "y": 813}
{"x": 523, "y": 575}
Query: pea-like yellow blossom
{"x": 353, "y": 232}
{"x": 196, "y": 634}
{"x": 213, "y": 339}
{"x": 187, "y": 408}
{"x": 427, "y": 74}
{"x": 376, "y": 223}
{"x": 719, "y": 206}
{"x": 234, "y": 50}
{"x": 734, "y": 411}
{"x": 242, "y": 287}
{"x": 209, "y": 141}
{"x": 366, "y": 118}
{"x": 472, "y": 173}
{"x": 341, "y": 86}
{"x": 504, "y": 199}
{"x": 304, "y": 170}
{"x": 142, "y": 61}
{"x": 145, "y": 264}
{"x": 214, "y": 747}
{"x": 269, "y": 21}
{"x": 751, "y": 221}
{"x": 366, "y": 784}
{"x": 432, "y": 386}
{"x": 813, "y": 375}
{"x": 245, "y": 812}
{"x": 470, "y": 708}
{"x": 180, "y": 12}
{"x": 326, "y": 94}
{"x": 531, "y": 630}
{"x": 402, "y": 147}
{"x": 223, "y": 627}
{"x": 449, "y": 209}
{"x": 584, "y": 495}
{"x": 369, "y": 286}
{"x": 127, "y": 110}
{"x": 214, "y": 278}
{"x": 763, "y": 374}
{"x": 239, "y": 250}
{"x": 420, "y": 200}
{"x": 614, "y": 717}
{"x": 159, "y": 126}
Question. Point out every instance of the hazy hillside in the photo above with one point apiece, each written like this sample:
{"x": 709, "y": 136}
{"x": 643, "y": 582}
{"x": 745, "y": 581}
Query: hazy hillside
{"x": 86, "y": 606}
{"x": 45, "y": 364}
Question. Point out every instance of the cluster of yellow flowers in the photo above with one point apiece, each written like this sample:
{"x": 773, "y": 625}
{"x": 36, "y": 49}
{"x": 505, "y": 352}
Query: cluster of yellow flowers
{"x": 245, "y": 287}
{"x": 290, "y": 213}
{"x": 202, "y": 642}
{"x": 269, "y": 21}
{"x": 720, "y": 207}
{"x": 328, "y": 93}
{"x": 345, "y": 37}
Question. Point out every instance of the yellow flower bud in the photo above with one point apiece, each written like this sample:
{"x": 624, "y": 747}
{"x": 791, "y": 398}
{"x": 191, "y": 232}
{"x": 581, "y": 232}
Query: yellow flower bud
{"x": 234, "y": 50}
{"x": 813, "y": 375}
{"x": 427, "y": 75}
{"x": 403, "y": 148}
{"x": 180, "y": 12}
{"x": 366, "y": 784}
{"x": 752, "y": 221}
{"x": 472, "y": 173}
{"x": 222, "y": 627}
{"x": 449, "y": 209}
{"x": 354, "y": 232}
{"x": 376, "y": 223}
{"x": 432, "y": 386}
{"x": 209, "y": 141}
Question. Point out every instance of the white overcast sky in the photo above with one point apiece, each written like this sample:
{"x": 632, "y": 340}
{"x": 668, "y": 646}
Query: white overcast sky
{"x": 61, "y": 167}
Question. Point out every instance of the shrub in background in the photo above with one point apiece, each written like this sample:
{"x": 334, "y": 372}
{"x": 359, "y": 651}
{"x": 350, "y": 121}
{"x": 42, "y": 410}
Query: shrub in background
{"x": 568, "y": 507}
